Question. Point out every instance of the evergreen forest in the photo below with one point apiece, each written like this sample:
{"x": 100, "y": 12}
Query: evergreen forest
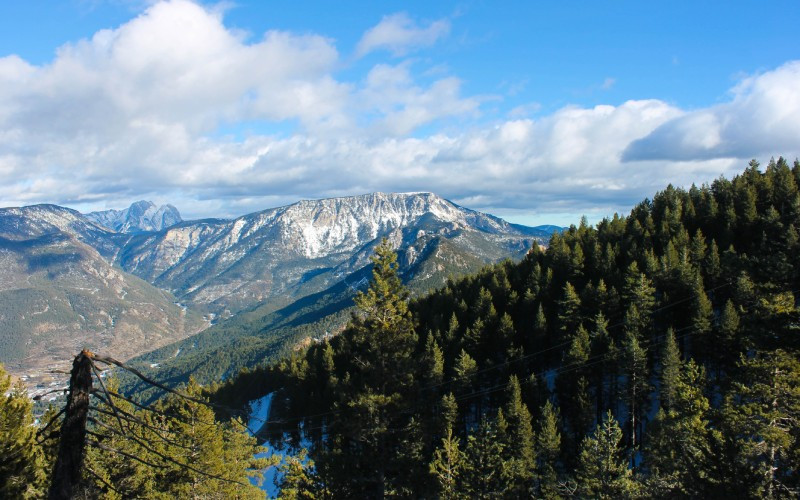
{"x": 654, "y": 355}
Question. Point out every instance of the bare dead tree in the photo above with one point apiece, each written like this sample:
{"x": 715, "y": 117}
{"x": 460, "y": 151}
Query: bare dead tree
{"x": 71, "y": 449}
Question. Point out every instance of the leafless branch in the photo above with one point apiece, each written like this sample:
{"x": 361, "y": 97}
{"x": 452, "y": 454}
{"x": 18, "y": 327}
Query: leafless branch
{"x": 38, "y": 397}
{"x": 47, "y": 426}
{"x": 103, "y": 447}
{"x": 103, "y": 386}
{"x": 112, "y": 361}
{"x": 106, "y": 483}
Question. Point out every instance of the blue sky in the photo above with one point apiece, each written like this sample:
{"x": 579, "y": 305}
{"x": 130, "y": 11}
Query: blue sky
{"x": 535, "y": 111}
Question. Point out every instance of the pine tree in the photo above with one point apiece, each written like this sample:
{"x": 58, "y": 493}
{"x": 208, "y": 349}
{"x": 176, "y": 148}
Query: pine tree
{"x": 712, "y": 267}
{"x": 447, "y": 467}
{"x": 463, "y": 371}
{"x": 22, "y": 472}
{"x": 569, "y": 317}
{"x": 226, "y": 451}
{"x": 483, "y": 475}
{"x": 380, "y": 342}
{"x": 763, "y": 412}
{"x": 638, "y": 390}
{"x": 548, "y": 448}
{"x": 678, "y": 449}
{"x": 383, "y": 334}
{"x": 573, "y": 386}
{"x": 701, "y": 315}
{"x": 602, "y": 470}
{"x": 503, "y": 342}
{"x": 452, "y": 329}
{"x": 328, "y": 367}
{"x": 698, "y": 248}
{"x": 539, "y": 330}
{"x": 182, "y": 451}
{"x": 519, "y": 449}
{"x": 638, "y": 291}
{"x": 432, "y": 365}
{"x": 296, "y": 479}
{"x": 727, "y": 338}
{"x": 448, "y": 460}
{"x": 129, "y": 478}
{"x": 601, "y": 346}
{"x": 670, "y": 370}
{"x": 448, "y": 413}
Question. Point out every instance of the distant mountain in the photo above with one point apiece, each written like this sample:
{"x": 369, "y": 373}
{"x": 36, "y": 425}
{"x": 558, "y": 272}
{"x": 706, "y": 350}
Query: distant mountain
{"x": 549, "y": 228}
{"x": 140, "y": 216}
{"x": 309, "y": 259}
{"x": 288, "y": 270}
{"x": 284, "y": 253}
{"x": 59, "y": 293}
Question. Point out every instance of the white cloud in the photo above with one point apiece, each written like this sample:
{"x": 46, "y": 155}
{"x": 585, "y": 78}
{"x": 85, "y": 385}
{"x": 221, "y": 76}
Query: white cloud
{"x": 399, "y": 34}
{"x": 761, "y": 119}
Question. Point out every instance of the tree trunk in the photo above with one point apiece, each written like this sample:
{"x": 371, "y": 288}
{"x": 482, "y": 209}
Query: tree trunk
{"x": 69, "y": 463}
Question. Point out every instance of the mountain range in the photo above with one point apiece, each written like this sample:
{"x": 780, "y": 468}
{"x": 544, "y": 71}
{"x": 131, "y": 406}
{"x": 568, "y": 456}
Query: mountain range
{"x": 156, "y": 282}
{"x": 226, "y": 266}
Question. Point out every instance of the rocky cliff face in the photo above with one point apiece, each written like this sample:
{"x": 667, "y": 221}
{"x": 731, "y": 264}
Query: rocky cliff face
{"x": 140, "y": 216}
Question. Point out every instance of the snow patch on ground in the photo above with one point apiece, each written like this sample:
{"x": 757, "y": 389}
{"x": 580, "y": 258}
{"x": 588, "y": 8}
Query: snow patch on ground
{"x": 259, "y": 412}
{"x": 256, "y": 418}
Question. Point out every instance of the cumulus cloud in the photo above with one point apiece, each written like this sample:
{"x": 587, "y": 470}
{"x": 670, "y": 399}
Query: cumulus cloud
{"x": 760, "y": 119}
{"x": 399, "y": 34}
{"x": 136, "y": 112}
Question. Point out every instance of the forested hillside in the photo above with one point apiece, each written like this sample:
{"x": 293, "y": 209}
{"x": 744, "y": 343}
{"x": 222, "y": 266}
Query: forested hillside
{"x": 653, "y": 355}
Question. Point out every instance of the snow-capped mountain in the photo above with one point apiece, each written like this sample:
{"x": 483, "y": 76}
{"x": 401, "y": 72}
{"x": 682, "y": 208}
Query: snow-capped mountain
{"x": 38, "y": 220}
{"x": 68, "y": 279}
{"x": 234, "y": 264}
{"x": 140, "y": 216}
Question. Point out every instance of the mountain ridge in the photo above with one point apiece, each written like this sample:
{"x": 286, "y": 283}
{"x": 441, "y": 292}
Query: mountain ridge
{"x": 203, "y": 261}
{"x": 263, "y": 261}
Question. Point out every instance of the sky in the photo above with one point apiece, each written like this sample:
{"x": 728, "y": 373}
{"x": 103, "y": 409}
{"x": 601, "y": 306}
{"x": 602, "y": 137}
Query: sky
{"x": 536, "y": 111}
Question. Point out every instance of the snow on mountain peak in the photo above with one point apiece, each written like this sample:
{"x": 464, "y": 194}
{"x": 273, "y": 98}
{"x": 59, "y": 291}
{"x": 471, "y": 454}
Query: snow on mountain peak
{"x": 140, "y": 216}
{"x": 334, "y": 225}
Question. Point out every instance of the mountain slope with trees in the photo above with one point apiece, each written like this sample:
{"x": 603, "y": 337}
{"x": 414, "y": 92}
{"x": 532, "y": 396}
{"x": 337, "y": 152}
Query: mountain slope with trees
{"x": 654, "y": 354}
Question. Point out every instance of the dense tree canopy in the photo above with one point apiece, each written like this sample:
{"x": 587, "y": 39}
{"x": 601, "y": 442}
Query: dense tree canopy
{"x": 649, "y": 337}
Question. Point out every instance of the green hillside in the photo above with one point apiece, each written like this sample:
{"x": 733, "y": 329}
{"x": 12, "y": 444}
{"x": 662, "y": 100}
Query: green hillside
{"x": 654, "y": 355}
